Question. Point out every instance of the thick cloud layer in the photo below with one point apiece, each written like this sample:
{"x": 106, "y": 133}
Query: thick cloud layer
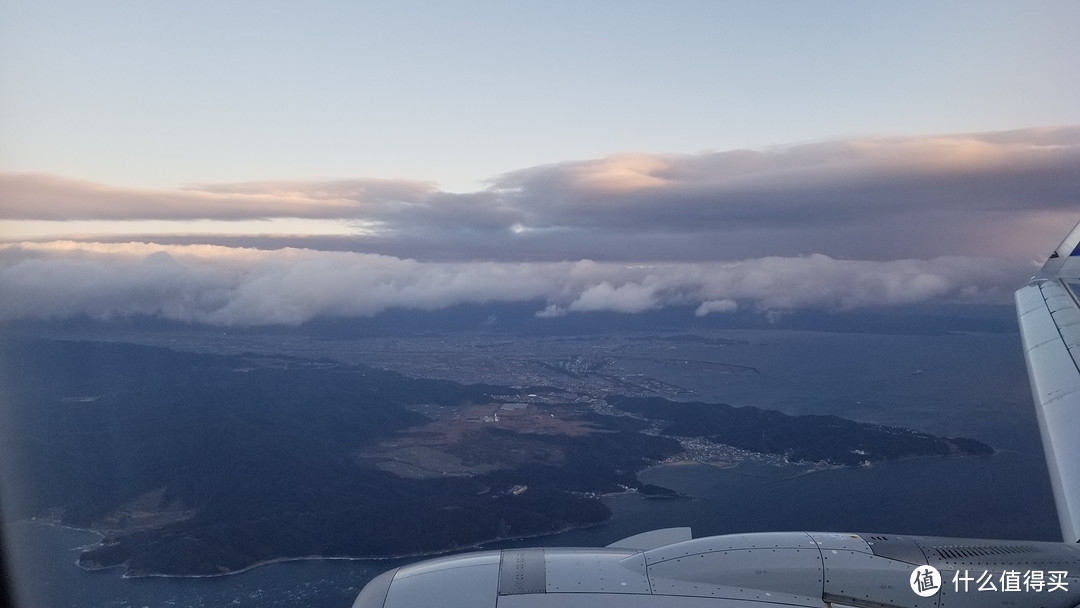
{"x": 971, "y": 194}
{"x": 235, "y": 286}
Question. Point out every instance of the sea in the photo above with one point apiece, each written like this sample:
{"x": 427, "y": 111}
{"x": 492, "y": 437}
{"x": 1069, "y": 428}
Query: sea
{"x": 965, "y": 384}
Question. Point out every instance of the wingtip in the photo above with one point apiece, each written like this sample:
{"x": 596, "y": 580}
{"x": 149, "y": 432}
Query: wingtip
{"x": 1064, "y": 262}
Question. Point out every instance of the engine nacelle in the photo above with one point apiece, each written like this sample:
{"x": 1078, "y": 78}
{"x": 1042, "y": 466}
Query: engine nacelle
{"x": 811, "y": 569}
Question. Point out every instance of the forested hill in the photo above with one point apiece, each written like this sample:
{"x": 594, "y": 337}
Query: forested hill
{"x": 201, "y": 464}
{"x": 206, "y": 464}
{"x": 806, "y": 438}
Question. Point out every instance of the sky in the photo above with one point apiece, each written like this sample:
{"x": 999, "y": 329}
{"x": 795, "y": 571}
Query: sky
{"x": 243, "y": 163}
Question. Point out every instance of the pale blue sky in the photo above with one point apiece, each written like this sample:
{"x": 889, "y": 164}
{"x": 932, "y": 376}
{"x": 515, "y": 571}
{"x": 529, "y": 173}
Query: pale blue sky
{"x": 166, "y": 94}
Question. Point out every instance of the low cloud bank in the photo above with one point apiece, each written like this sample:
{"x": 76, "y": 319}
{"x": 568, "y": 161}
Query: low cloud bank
{"x": 230, "y": 286}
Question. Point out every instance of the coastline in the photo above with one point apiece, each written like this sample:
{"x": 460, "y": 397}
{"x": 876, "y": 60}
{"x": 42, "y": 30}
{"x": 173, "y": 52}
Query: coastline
{"x": 718, "y": 506}
{"x": 279, "y": 560}
{"x": 806, "y": 470}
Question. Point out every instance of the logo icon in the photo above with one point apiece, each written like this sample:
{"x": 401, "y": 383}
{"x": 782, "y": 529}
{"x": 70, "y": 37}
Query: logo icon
{"x": 925, "y": 581}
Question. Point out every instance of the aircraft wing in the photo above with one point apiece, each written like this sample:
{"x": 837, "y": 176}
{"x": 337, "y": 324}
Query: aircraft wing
{"x": 1049, "y": 317}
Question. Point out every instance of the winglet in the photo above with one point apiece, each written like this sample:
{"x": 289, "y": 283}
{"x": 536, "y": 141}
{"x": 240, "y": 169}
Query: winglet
{"x": 1065, "y": 261}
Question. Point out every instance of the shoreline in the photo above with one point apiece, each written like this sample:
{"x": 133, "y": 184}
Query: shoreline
{"x": 281, "y": 560}
{"x": 127, "y": 575}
